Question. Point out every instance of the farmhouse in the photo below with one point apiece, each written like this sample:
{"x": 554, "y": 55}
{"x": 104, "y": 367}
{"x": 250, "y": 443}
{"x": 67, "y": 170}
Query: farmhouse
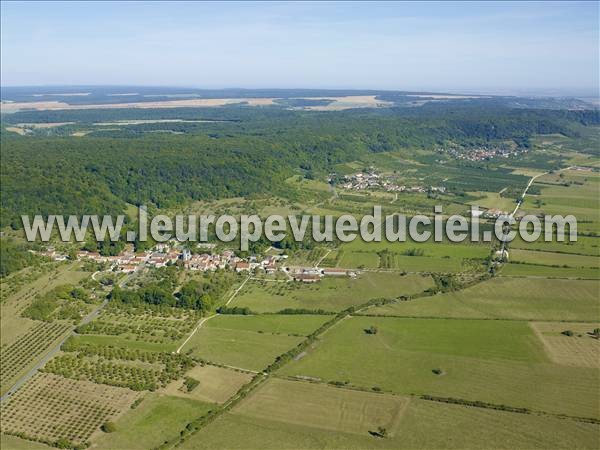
{"x": 306, "y": 277}
{"x": 335, "y": 272}
{"x": 242, "y": 266}
{"x": 128, "y": 268}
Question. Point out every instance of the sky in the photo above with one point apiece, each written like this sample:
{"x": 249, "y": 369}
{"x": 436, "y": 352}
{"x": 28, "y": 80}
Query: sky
{"x": 505, "y": 47}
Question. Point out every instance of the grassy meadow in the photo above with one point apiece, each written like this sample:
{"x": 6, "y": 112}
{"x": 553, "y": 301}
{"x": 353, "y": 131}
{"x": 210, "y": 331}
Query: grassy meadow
{"x": 157, "y": 418}
{"x": 508, "y": 298}
{"x": 500, "y": 362}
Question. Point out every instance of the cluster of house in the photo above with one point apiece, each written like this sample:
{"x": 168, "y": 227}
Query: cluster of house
{"x": 51, "y": 253}
{"x": 163, "y": 254}
{"x": 312, "y": 274}
{"x": 227, "y": 259}
{"x": 494, "y": 213}
{"x": 371, "y": 180}
{"x": 481, "y": 153}
{"x": 129, "y": 261}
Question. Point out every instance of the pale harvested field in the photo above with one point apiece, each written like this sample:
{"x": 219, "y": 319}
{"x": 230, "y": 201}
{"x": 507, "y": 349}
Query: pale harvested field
{"x": 205, "y": 102}
{"x": 352, "y": 101}
{"x": 324, "y": 407}
{"x": 50, "y": 407}
{"x": 573, "y": 350}
{"x": 217, "y": 384}
{"x": 339, "y": 103}
{"x": 17, "y": 130}
{"x": 446, "y": 96}
{"x": 44, "y": 125}
{"x": 141, "y": 122}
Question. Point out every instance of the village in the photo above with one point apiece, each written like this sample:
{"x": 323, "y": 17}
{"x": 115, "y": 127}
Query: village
{"x": 370, "y": 179}
{"x": 483, "y": 153}
{"x": 168, "y": 254}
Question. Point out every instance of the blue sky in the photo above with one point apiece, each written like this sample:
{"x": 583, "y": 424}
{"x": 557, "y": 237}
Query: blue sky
{"x": 508, "y": 47}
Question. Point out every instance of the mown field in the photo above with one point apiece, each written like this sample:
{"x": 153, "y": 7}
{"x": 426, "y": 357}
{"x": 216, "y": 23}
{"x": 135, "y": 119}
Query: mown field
{"x": 216, "y": 384}
{"x": 324, "y": 407}
{"x": 422, "y": 425}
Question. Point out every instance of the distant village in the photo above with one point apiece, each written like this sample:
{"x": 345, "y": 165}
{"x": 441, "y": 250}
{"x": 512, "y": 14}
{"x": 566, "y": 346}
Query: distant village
{"x": 165, "y": 254}
{"x": 483, "y": 153}
{"x": 370, "y": 179}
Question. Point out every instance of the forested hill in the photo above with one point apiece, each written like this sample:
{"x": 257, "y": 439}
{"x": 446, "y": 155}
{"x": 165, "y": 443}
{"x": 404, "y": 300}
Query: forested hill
{"x": 253, "y": 151}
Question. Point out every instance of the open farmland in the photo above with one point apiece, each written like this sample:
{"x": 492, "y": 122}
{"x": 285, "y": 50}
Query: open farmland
{"x": 563, "y": 260}
{"x": 543, "y": 271}
{"x": 413, "y": 257}
{"x": 508, "y": 298}
{"x": 570, "y": 344}
{"x": 216, "y": 384}
{"x": 157, "y": 418}
{"x": 325, "y": 407}
{"x": 423, "y": 425}
{"x": 52, "y": 409}
{"x": 238, "y": 343}
{"x": 404, "y": 355}
{"x": 331, "y": 293}
{"x": 585, "y": 245}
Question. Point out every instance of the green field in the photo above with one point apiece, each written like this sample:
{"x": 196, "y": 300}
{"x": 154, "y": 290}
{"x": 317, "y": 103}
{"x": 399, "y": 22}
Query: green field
{"x": 553, "y": 259}
{"x": 157, "y": 419}
{"x": 248, "y": 344}
{"x": 570, "y": 193}
{"x": 509, "y": 298}
{"x": 585, "y": 245}
{"x": 331, "y": 293}
{"x": 499, "y": 362}
{"x": 424, "y": 425}
{"x": 216, "y": 384}
{"x": 325, "y": 407}
{"x": 15, "y": 443}
{"x": 436, "y": 257}
{"x": 533, "y": 270}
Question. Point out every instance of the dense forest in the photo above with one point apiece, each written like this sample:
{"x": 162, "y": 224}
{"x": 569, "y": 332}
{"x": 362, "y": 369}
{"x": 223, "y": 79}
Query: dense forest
{"x": 249, "y": 151}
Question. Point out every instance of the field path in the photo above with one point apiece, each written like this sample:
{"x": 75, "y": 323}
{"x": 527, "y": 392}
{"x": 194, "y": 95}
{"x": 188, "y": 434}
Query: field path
{"x": 204, "y": 319}
{"x": 200, "y": 323}
{"x": 322, "y": 258}
{"x": 522, "y": 199}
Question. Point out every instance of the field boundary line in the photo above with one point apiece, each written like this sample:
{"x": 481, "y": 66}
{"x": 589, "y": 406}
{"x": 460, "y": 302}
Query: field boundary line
{"x": 204, "y": 319}
{"x": 196, "y": 328}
